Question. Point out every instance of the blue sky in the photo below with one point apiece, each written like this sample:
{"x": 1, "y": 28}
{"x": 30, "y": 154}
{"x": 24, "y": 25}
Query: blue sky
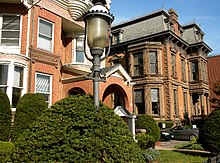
{"x": 205, "y": 13}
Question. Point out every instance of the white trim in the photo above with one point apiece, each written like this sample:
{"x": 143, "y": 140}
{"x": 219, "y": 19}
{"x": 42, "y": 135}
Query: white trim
{"x": 52, "y": 41}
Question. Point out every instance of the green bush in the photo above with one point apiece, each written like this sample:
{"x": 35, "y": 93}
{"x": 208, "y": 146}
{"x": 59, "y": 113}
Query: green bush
{"x": 6, "y": 148}
{"x": 169, "y": 124}
{"x": 73, "y": 130}
{"x": 28, "y": 109}
{"x": 145, "y": 141}
{"x": 151, "y": 155}
{"x": 145, "y": 121}
{"x": 209, "y": 133}
{"x": 5, "y": 117}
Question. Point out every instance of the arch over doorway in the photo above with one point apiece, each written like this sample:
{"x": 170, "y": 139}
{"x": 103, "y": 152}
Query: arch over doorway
{"x": 76, "y": 91}
{"x": 114, "y": 95}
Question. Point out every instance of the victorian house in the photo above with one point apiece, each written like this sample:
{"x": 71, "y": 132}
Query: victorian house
{"x": 156, "y": 66}
{"x": 42, "y": 51}
{"x": 167, "y": 62}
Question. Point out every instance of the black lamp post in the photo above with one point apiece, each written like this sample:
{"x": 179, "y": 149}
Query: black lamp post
{"x": 97, "y": 32}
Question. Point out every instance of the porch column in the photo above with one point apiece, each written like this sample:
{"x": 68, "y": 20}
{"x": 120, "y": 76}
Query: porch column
{"x": 191, "y": 105}
{"x": 202, "y": 109}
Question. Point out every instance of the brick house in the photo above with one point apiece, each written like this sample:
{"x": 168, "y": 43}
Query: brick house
{"x": 156, "y": 67}
{"x": 166, "y": 61}
{"x": 41, "y": 51}
{"x": 213, "y": 73}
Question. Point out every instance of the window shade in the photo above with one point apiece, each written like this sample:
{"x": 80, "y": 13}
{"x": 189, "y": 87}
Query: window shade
{"x": 43, "y": 83}
{"x": 18, "y": 77}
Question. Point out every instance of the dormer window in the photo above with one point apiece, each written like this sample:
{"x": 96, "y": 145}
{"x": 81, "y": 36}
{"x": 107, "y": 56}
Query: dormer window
{"x": 117, "y": 36}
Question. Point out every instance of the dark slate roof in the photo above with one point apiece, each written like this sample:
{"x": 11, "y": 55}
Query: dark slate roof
{"x": 107, "y": 69}
{"x": 189, "y": 34}
{"x": 143, "y": 26}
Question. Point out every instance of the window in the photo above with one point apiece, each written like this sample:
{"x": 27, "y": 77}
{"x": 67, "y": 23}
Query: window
{"x": 45, "y": 35}
{"x": 138, "y": 64}
{"x": 139, "y": 101}
{"x": 43, "y": 86}
{"x": 153, "y": 63}
{"x": 3, "y": 77}
{"x": 183, "y": 70}
{"x": 80, "y": 50}
{"x": 17, "y": 85}
{"x": 173, "y": 64}
{"x": 155, "y": 101}
{"x": 175, "y": 101}
{"x": 185, "y": 102}
{"x": 9, "y": 30}
{"x": 195, "y": 74}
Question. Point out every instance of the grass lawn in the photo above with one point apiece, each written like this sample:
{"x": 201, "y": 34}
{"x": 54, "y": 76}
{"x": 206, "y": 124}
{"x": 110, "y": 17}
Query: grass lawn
{"x": 171, "y": 157}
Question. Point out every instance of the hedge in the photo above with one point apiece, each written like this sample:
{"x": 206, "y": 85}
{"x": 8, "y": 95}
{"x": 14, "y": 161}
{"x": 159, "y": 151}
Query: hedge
{"x": 73, "y": 130}
{"x": 5, "y": 117}
{"x": 209, "y": 133}
{"x": 145, "y": 121}
{"x": 28, "y": 109}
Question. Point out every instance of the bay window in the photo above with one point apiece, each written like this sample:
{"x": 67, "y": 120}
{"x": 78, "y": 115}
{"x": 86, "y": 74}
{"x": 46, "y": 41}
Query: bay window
{"x": 17, "y": 85}
{"x": 79, "y": 52}
{"x": 3, "y": 77}
{"x": 155, "y": 101}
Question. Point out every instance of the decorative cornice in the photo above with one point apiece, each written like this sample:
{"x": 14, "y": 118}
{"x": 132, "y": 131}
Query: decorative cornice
{"x": 20, "y": 56}
{"x": 45, "y": 57}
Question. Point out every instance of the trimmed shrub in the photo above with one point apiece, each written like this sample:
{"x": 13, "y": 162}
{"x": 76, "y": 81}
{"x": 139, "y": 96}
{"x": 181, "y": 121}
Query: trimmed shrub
{"x": 145, "y": 141}
{"x": 145, "y": 121}
{"x": 73, "y": 130}
{"x": 209, "y": 133}
{"x": 5, "y": 117}
{"x": 6, "y": 148}
{"x": 28, "y": 109}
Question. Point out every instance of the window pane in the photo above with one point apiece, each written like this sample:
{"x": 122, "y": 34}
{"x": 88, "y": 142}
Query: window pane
{"x": 16, "y": 95}
{"x": 154, "y": 95}
{"x": 45, "y": 28}
{"x": 3, "y": 74}
{"x": 18, "y": 77}
{"x": 10, "y": 42}
{"x": 153, "y": 57}
{"x": 79, "y": 56}
{"x": 43, "y": 83}
{"x": 10, "y": 34}
{"x": 45, "y": 42}
{"x": 10, "y": 30}
{"x": 79, "y": 43}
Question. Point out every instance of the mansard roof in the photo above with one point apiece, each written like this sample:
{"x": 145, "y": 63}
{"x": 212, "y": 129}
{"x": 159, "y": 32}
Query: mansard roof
{"x": 156, "y": 24}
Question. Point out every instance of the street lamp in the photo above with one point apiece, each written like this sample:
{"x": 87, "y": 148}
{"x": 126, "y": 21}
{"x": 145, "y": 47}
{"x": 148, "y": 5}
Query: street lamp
{"x": 97, "y": 32}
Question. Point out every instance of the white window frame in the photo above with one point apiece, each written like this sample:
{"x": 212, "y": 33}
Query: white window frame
{"x": 38, "y": 33}
{"x": 15, "y": 49}
{"x": 50, "y": 94}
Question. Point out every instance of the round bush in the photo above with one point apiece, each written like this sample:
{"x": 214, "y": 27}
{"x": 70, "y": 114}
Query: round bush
{"x": 145, "y": 141}
{"x": 145, "y": 121}
{"x": 73, "y": 130}
{"x": 28, "y": 109}
{"x": 5, "y": 117}
{"x": 209, "y": 134}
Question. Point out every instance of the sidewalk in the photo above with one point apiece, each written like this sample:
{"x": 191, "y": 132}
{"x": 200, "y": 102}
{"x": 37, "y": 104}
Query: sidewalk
{"x": 186, "y": 151}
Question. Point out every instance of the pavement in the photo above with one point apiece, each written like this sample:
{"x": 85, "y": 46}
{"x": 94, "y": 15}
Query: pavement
{"x": 169, "y": 145}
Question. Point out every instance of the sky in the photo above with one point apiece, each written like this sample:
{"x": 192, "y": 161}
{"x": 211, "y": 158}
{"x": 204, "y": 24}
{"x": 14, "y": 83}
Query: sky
{"x": 205, "y": 13}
